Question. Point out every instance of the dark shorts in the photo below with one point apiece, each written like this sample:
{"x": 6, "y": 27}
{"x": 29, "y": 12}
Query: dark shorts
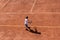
{"x": 26, "y": 25}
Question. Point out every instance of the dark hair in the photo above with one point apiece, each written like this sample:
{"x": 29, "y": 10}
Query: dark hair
{"x": 26, "y": 17}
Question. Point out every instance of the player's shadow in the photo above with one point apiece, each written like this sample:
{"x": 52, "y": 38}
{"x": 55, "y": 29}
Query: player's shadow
{"x": 34, "y": 31}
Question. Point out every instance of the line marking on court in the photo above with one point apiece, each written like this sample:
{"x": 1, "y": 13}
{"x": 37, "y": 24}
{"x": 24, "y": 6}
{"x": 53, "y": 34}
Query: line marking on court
{"x": 17, "y": 13}
{"x": 5, "y": 4}
{"x": 31, "y": 26}
{"x": 33, "y": 5}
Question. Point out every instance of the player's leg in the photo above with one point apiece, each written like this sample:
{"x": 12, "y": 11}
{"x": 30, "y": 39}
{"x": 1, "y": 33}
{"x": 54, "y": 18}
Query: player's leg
{"x": 27, "y": 26}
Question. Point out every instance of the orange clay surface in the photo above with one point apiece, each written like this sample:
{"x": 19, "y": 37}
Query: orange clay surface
{"x": 19, "y": 33}
{"x": 44, "y": 14}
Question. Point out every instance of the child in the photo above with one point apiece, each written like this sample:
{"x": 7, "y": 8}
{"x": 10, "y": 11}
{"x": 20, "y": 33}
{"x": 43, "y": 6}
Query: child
{"x": 26, "y": 23}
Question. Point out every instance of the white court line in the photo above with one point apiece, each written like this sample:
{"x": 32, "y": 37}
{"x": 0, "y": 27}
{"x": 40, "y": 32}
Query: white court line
{"x": 29, "y": 13}
{"x": 5, "y": 4}
{"x": 33, "y": 5}
{"x": 31, "y": 26}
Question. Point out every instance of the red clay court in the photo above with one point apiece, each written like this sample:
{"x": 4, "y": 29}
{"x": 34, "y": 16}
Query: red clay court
{"x": 45, "y": 16}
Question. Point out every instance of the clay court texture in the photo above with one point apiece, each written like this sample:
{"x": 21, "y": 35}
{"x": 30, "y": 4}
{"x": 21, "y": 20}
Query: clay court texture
{"x": 44, "y": 14}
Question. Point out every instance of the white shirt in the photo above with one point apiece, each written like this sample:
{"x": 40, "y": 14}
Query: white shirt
{"x": 26, "y": 21}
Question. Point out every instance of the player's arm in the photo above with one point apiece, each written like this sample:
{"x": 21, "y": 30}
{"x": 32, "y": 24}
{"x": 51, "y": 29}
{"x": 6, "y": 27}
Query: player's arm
{"x": 29, "y": 21}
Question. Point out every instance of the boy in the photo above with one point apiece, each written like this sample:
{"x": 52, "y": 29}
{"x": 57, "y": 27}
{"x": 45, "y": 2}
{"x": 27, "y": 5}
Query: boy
{"x": 26, "y": 23}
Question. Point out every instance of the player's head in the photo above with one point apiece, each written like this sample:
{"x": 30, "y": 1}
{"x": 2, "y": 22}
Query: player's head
{"x": 26, "y": 17}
